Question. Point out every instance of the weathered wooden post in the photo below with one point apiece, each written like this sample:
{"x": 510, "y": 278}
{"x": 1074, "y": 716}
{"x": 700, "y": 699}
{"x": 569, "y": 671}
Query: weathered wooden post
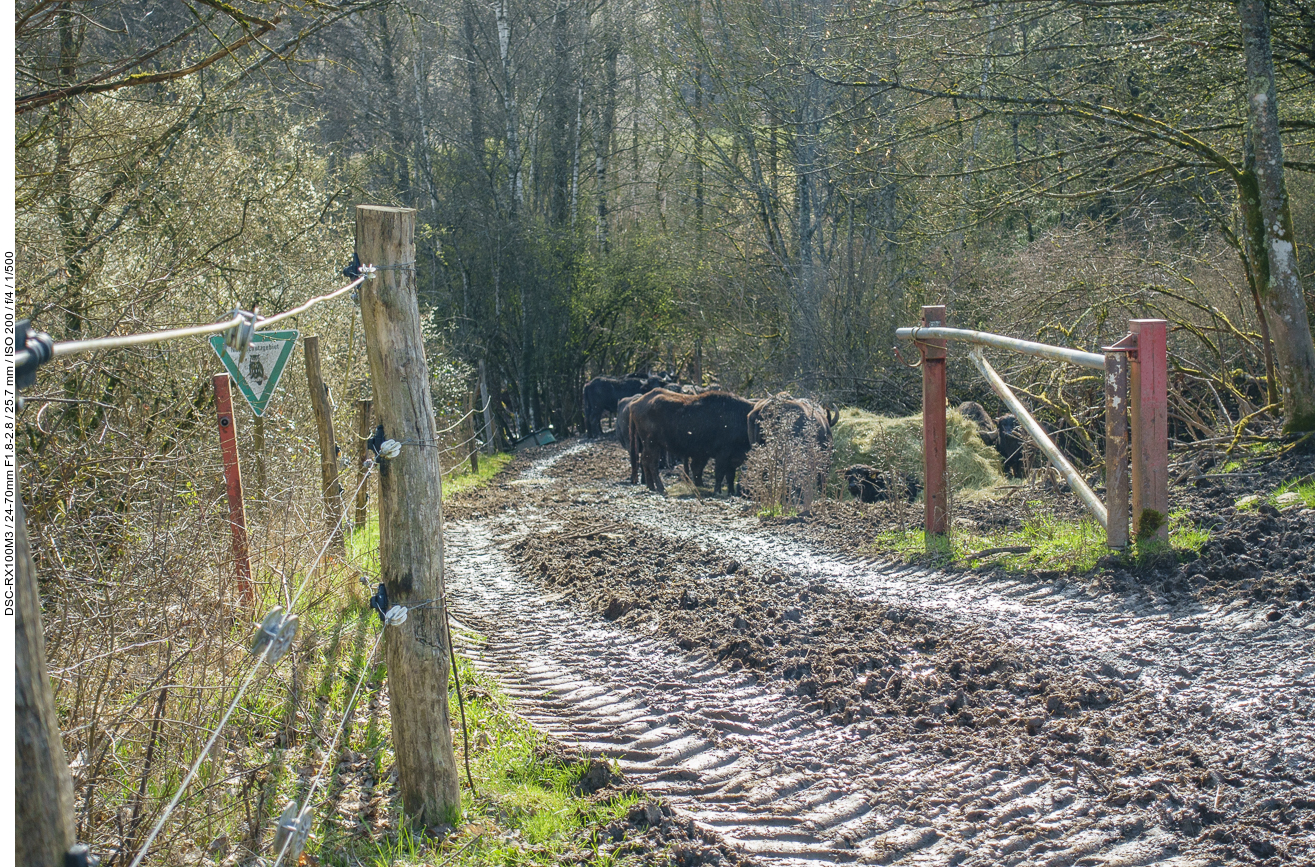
{"x": 363, "y": 431}
{"x": 258, "y": 446}
{"x": 43, "y": 810}
{"x": 319, "y": 400}
{"x": 237, "y": 514}
{"x": 410, "y": 517}
{"x": 1148, "y": 384}
{"x": 489, "y": 446}
{"x": 470, "y": 430}
{"x": 1116, "y": 447}
{"x": 933, "y": 424}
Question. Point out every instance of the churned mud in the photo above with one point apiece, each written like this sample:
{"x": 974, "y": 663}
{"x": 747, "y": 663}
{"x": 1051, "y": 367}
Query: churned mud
{"x": 794, "y": 701}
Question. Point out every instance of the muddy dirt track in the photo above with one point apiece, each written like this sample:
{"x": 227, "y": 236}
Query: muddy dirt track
{"x": 807, "y": 705}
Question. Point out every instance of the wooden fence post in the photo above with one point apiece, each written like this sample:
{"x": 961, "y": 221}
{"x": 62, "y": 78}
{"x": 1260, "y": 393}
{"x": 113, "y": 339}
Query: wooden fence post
{"x": 489, "y": 446}
{"x": 43, "y": 810}
{"x": 237, "y": 514}
{"x": 363, "y": 431}
{"x": 410, "y": 518}
{"x": 1148, "y": 384}
{"x": 470, "y": 429}
{"x": 319, "y": 400}
{"x": 933, "y": 424}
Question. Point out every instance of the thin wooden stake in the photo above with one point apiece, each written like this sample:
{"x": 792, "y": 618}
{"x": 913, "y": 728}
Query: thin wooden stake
{"x": 470, "y": 430}
{"x": 43, "y": 810}
{"x": 237, "y": 514}
{"x": 319, "y": 400}
{"x": 364, "y": 428}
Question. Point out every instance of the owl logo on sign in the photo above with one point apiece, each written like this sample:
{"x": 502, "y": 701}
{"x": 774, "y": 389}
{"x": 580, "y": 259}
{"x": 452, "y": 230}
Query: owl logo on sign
{"x": 255, "y": 371}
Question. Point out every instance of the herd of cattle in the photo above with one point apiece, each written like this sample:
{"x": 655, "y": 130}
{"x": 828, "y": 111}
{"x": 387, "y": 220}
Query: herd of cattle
{"x": 662, "y": 424}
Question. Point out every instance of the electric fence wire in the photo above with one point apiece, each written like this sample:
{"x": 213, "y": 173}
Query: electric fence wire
{"x": 462, "y": 419}
{"x": 75, "y": 347}
{"x": 329, "y": 751}
{"x": 246, "y": 682}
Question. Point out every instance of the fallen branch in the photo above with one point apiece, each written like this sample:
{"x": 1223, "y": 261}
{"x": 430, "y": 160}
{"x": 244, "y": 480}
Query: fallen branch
{"x": 991, "y": 552}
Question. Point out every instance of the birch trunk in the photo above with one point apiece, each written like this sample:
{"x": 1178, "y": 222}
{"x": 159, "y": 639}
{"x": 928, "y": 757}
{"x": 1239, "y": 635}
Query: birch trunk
{"x": 1272, "y": 241}
{"x": 514, "y": 184}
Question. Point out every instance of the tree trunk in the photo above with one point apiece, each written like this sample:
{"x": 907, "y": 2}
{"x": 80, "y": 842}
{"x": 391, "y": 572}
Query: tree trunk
{"x": 43, "y": 811}
{"x": 516, "y": 188}
{"x": 603, "y": 135}
{"x": 1288, "y": 320}
{"x": 410, "y": 520}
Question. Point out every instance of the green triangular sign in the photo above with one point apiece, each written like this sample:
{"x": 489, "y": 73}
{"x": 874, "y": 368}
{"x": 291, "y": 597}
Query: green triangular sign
{"x": 257, "y": 373}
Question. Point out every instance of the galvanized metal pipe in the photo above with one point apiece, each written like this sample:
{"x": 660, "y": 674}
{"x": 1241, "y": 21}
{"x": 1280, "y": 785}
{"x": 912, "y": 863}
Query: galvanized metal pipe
{"x": 1043, "y": 442}
{"x": 1026, "y": 347}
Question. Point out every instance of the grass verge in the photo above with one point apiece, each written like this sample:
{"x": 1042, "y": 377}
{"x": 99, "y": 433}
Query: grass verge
{"x": 1042, "y": 543}
{"x": 526, "y": 807}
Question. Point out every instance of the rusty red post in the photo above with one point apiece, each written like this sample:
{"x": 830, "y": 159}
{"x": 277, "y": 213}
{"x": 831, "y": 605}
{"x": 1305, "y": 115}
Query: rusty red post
{"x": 1148, "y": 384}
{"x": 933, "y": 423}
{"x": 237, "y": 516}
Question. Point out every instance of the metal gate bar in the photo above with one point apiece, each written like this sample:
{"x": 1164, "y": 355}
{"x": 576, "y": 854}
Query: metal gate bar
{"x": 1136, "y": 383}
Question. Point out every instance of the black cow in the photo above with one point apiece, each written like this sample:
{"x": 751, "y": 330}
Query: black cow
{"x": 697, "y": 428}
{"x": 602, "y": 393}
{"x": 1004, "y": 434}
{"x": 1010, "y": 440}
{"x": 873, "y": 486}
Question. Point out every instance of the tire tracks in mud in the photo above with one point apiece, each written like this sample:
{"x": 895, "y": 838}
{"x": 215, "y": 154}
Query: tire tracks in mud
{"x": 737, "y": 755}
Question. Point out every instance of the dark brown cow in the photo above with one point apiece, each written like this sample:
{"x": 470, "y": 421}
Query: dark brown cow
{"x": 602, "y": 393}
{"x": 697, "y": 428}
{"x": 623, "y": 420}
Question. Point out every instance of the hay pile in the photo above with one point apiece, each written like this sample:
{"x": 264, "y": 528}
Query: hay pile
{"x": 884, "y": 443}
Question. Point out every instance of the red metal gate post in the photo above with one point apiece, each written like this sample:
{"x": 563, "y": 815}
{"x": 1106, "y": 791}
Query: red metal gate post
{"x": 933, "y": 424}
{"x": 1116, "y": 447}
{"x": 237, "y": 516}
{"x": 1149, "y": 411}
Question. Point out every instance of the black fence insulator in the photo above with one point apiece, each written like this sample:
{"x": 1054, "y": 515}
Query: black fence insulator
{"x": 353, "y": 269}
{"x": 79, "y": 855}
{"x": 379, "y": 602}
{"x": 40, "y": 349}
{"x": 374, "y": 444}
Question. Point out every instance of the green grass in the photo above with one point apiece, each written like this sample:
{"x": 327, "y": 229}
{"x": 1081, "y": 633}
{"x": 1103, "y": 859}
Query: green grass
{"x": 489, "y": 466}
{"x": 524, "y": 810}
{"x": 1304, "y": 488}
{"x": 1053, "y": 544}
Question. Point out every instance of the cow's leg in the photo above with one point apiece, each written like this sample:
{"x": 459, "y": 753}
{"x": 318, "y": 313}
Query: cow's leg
{"x": 652, "y": 476}
{"x": 634, "y": 458}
